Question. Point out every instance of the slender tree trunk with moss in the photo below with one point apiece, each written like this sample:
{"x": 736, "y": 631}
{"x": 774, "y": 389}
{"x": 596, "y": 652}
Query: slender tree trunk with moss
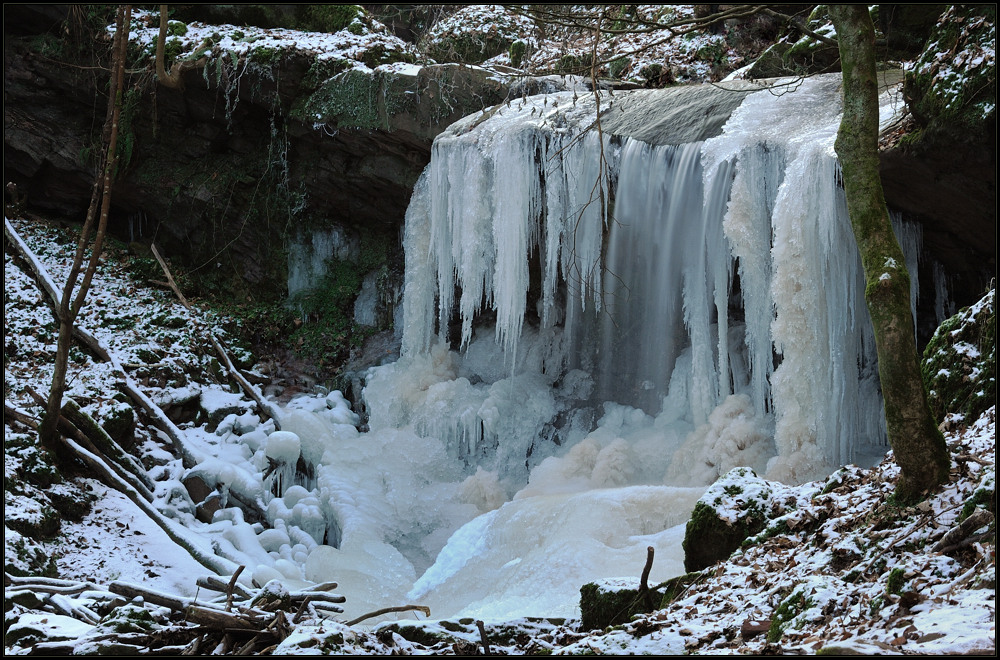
{"x": 917, "y": 443}
{"x": 172, "y": 78}
{"x": 100, "y": 206}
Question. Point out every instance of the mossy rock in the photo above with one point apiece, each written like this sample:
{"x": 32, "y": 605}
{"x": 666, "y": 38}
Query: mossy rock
{"x": 800, "y": 54}
{"x": 332, "y": 18}
{"x": 955, "y": 96}
{"x": 610, "y": 603}
{"x": 734, "y": 508}
{"x": 32, "y": 463}
{"x": 959, "y": 365}
{"x": 985, "y": 496}
{"x": 517, "y": 51}
{"x": 127, "y": 619}
{"x": 23, "y": 556}
{"x": 119, "y": 423}
{"x": 71, "y": 501}
{"x": 425, "y": 635}
{"x": 30, "y": 517}
{"x": 449, "y": 40}
{"x": 355, "y": 99}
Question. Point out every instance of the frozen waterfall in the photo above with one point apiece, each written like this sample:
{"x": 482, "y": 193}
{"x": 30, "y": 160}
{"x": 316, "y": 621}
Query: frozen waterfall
{"x": 595, "y": 328}
{"x": 672, "y": 276}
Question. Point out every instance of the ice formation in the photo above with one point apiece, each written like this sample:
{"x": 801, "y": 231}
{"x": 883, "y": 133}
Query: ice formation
{"x": 594, "y": 329}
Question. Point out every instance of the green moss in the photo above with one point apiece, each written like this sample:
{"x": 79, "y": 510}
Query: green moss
{"x": 985, "y": 496}
{"x": 322, "y": 70}
{"x": 353, "y": 99}
{"x": 418, "y": 634}
{"x": 517, "y": 51}
{"x": 265, "y": 56}
{"x": 176, "y": 28}
{"x": 959, "y": 364}
{"x": 452, "y": 626}
{"x": 330, "y": 330}
{"x": 779, "y": 528}
{"x": 332, "y": 18}
{"x": 72, "y": 502}
{"x": 128, "y": 619}
{"x": 894, "y": 583}
{"x": 708, "y": 538}
{"x": 32, "y": 463}
{"x": 956, "y": 96}
{"x": 473, "y": 46}
{"x": 30, "y": 517}
{"x": 618, "y": 67}
{"x": 732, "y": 490}
{"x": 171, "y": 51}
{"x": 652, "y": 74}
{"x": 574, "y": 64}
{"x": 601, "y": 607}
{"x": 23, "y": 556}
{"x": 783, "y": 617}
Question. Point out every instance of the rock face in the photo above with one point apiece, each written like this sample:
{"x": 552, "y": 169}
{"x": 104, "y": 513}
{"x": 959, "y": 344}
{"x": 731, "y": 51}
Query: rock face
{"x": 230, "y": 173}
{"x": 222, "y": 174}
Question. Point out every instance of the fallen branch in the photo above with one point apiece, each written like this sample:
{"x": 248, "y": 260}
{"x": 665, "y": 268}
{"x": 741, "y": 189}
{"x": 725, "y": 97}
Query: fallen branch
{"x": 482, "y": 636}
{"x": 231, "y": 587}
{"x": 70, "y": 430}
{"x": 644, "y": 580}
{"x": 107, "y": 445}
{"x": 953, "y": 540}
{"x": 234, "y": 373}
{"x": 177, "y": 534}
{"x": 213, "y": 583}
{"x": 170, "y": 278}
{"x": 388, "y": 610}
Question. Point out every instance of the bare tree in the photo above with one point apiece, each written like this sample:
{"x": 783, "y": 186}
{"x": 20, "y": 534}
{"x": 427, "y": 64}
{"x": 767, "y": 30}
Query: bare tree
{"x": 100, "y": 206}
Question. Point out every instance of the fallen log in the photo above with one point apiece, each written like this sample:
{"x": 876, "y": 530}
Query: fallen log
{"x": 69, "y": 430}
{"x": 956, "y": 536}
{"x": 107, "y": 446}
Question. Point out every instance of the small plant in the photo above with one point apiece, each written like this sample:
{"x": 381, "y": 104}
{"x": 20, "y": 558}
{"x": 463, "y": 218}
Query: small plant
{"x": 177, "y": 29}
{"x": 518, "y": 49}
{"x": 619, "y": 67}
{"x": 789, "y": 608}
{"x": 894, "y": 584}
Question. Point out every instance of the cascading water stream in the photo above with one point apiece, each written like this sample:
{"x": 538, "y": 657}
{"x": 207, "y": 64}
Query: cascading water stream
{"x": 629, "y": 321}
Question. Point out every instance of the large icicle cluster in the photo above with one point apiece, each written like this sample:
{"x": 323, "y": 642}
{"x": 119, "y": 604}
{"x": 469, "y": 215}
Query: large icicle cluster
{"x": 677, "y": 274}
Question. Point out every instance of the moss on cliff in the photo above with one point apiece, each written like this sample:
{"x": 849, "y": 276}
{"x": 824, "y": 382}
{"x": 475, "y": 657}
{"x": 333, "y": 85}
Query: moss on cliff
{"x": 960, "y": 362}
{"x": 951, "y": 88}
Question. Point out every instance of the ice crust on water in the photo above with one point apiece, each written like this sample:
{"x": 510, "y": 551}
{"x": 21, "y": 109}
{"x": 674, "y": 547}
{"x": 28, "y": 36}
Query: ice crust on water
{"x": 657, "y": 313}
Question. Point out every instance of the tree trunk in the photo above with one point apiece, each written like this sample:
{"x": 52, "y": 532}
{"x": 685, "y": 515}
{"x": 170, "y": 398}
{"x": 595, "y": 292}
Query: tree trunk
{"x": 917, "y": 443}
{"x": 69, "y": 307}
{"x": 172, "y": 78}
